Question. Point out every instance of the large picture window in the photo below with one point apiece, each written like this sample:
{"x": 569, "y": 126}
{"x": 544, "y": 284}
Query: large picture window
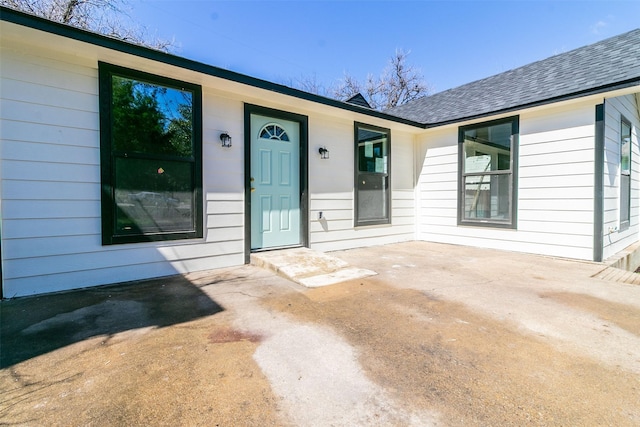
{"x": 372, "y": 158}
{"x": 488, "y": 167}
{"x": 151, "y": 150}
{"x": 625, "y": 173}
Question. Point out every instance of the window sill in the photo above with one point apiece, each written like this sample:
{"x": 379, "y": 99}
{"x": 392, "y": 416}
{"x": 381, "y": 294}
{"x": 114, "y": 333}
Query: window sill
{"x": 487, "y": 224}
{"x": 372, "y": 225}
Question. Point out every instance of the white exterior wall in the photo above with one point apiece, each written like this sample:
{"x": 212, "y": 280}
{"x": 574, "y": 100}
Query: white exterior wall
{"x": 555, "y": 186}
{"x": 50, "y": 170}
{"x": 614, "y": 239}
{"x": 51, "y": 183}
{"x": 331, "y": 188}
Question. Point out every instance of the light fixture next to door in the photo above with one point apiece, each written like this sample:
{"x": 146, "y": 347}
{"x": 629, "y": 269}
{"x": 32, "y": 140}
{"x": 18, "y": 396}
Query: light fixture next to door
{"x": 225, "y": 139}
{"x": 324, "y": 153}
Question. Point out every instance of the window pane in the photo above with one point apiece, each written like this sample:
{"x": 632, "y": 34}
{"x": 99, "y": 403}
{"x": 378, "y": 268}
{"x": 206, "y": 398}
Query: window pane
{"x": 153, "y": 196}
{"x": 152, "y": 119}
{"x": 151, "y": 152}
{"x": 487, "y": 197}
{"x": 625, "y": 148}
{"x": 372, "y": 196}
{"x": 625, "y": 174}
{"x": 372, "y": 175}
{"x": 274, "y": 132}
{"x": 372, "y": 151}
{"x": 625, "y": 199}
{"x": 487, "y": 148}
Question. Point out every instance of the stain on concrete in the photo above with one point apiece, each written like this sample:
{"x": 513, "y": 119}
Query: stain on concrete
{"x": 440, "y": 356}
{"x": 227, "y": 335}
{"x": 624, "y": 316}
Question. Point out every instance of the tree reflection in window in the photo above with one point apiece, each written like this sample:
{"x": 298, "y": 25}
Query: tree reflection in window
{"x": 151, "y": 119}
{"x": 151, "y": 146}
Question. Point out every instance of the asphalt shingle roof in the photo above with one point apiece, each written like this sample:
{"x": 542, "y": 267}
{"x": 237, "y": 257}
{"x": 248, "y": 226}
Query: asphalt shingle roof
{"x": 604, "y": 64}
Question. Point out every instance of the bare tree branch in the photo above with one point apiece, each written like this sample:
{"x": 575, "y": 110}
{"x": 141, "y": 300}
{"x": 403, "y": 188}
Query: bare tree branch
{"x": 106, "y": 17}
{"x": 347, "y": 87}
{"x": 399, "y": 83}
{"x": 309, "y": 84}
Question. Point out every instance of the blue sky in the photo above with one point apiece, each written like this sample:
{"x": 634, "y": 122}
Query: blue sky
{"x": 452, "y": 42}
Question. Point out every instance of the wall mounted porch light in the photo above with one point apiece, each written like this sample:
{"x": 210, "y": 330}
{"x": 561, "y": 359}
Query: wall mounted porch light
{"x": 225, "y": 139}
{"x": 324, "y": 153}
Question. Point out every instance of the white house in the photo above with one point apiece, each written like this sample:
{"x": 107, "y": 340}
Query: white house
{"x": 123, "y": 163}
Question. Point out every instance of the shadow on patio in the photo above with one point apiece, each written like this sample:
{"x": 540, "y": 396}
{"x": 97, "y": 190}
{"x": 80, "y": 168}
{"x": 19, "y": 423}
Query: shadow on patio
{"x": 33, "y": 326}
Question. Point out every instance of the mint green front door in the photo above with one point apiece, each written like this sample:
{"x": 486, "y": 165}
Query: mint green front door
{"x": 275, "y": 183}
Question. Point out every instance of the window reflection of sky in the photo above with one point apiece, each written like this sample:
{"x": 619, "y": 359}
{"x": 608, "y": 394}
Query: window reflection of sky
{"x": 170, "y": 100}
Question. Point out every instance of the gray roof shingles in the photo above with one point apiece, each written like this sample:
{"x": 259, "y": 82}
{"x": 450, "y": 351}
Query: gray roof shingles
{"x": 588, "y": 69}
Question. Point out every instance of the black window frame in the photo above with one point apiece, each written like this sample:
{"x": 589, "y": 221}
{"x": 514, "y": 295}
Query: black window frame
{"x": 625, "y": 178}
{"x": 387, "y": 193}
{"x": 512, "y": 171}
{"x": 110, "y": 236}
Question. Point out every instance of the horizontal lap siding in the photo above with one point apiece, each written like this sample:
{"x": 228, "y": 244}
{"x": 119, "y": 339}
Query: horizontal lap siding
{"x": 556, "y": 182}
{"x": 616, "y": 240}
{"x": 331, "y": 185}
{"x": 51, "y": 212}
{"x": 555, "y": 187}
{"x": 51, "y": 215}
{"x": 50, "y": 170}
{"x": 437, "y": 186}
{"x": 223, "y": 179}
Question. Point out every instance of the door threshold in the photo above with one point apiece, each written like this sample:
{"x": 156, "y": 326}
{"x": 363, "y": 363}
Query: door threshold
{"x": 276, "y": 248}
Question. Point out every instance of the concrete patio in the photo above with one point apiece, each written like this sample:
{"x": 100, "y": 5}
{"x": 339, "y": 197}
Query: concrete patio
{"x": 439, "y": 335}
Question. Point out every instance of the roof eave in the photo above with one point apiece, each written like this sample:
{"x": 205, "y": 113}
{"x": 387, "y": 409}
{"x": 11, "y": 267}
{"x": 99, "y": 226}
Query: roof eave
{"x": 566, "y": 97}
{"x": 41, "y": 24}
{"x": 56, "y": 28}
